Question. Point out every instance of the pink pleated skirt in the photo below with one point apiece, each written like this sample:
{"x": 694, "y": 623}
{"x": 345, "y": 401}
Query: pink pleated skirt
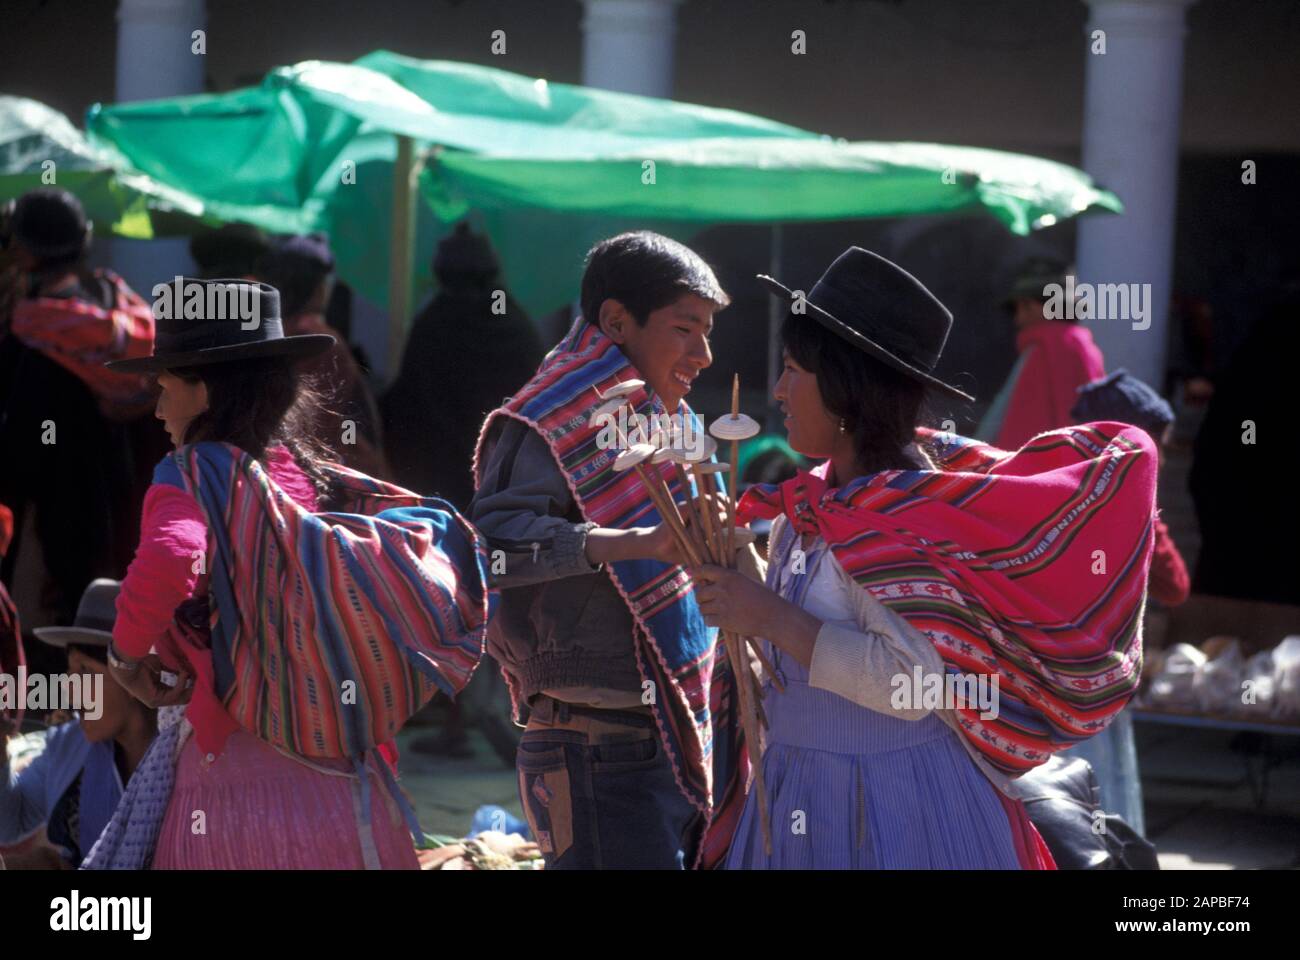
{"x": 254, "y": 808}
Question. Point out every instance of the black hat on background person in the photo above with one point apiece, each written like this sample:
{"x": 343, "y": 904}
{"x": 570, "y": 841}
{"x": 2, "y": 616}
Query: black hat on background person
{"x": 297, "y": 266}
{"x": 1032, "y": 279}
{"x": 231, "y": 250}
{"x": 93, "y": 624}
{"x": 181, "y": 342}
{"x": 49, "y": 224}
{"x": 880, "y": 308}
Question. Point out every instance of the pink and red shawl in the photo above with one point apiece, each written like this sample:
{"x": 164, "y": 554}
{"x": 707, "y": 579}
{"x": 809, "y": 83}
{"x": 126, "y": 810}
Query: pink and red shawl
{"x": 1029, "y": 565}
{"x": 82, "y": 336}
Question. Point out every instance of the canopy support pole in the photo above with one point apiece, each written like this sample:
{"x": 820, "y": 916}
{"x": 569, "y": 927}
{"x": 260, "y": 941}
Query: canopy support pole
{"x": 401, "y": 240}
{"x": 776, "y": 311}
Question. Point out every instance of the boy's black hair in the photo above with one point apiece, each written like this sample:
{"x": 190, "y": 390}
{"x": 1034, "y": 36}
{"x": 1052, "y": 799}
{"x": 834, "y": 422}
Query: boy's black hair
{"x": 645, "y": 272}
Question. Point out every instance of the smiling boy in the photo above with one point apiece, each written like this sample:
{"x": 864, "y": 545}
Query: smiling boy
{"x": 608, "y": 660}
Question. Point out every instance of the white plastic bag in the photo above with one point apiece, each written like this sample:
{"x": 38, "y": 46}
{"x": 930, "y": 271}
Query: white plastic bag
{"x": 1218, "y": 681}
{"x": 1258, "y": 686}
{"x": 1174, "y": 687}
{"x": 1286, "y": 679}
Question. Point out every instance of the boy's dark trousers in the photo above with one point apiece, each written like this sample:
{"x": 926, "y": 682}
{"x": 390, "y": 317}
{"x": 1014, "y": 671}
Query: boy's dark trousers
{"x": 599, "y": 792}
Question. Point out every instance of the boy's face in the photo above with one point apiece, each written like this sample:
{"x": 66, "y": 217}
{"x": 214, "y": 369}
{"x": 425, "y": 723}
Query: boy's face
{"x": 671, "y": 349}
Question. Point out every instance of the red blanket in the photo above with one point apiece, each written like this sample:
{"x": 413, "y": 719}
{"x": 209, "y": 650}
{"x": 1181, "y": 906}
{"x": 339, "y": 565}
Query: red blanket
{"x": 1029, "y": 566}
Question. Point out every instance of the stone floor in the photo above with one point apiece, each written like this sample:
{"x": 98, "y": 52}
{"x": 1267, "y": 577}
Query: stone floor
{"x": 1200, "y": 810}
{"x": 446, "y": 791}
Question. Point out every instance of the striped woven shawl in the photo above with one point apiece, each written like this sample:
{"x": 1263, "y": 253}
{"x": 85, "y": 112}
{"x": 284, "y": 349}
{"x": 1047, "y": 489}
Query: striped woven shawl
{"x": 1031, "y": 566}
{"x": 329, "y": 630}
{"x": 675, "y": 650}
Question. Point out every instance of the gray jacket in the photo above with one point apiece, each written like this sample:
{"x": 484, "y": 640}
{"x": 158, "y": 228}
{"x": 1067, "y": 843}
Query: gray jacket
{"x": 561, "y": 627}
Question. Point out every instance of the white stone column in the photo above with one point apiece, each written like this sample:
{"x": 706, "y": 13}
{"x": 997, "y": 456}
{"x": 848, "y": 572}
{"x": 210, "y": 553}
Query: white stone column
{"x": 1132, "y": 105}
{"x": 627, "y": 45}
{"x": 155, "y": 59}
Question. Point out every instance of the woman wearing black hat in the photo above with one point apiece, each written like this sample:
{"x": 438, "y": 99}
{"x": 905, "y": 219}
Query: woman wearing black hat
{"x": 914, "y": 679}
{"x": 230, "y": 521}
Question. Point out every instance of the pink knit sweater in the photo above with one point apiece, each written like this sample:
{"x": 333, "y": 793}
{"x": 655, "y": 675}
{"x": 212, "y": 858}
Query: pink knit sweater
{"x": 173, "y": 534}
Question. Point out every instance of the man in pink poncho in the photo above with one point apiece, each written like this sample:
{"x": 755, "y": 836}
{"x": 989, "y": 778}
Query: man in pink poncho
{"x": 1057, "y": 356}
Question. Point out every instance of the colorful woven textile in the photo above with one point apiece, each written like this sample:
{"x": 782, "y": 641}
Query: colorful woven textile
{"x": 675, "y": 650}
{"x": 81, "y": 336}
{"x": 1031, "y": 566}
{"x": 329, "y": 630}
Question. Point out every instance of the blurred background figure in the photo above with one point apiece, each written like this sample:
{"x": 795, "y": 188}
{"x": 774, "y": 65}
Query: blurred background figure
{"x": 768, "y": 459}
{"x": 77, "y": 443}
{"x": 302, "y": 269}
{"x": 468, "y": 349}
{"x": 231, "y": 251}
{"x": 1245, "y": 458}
{"x": 1192, "y": 363}
{"x": 1112, "y": 753}
{"x": 73, "y": 785}
{"x": 1056, "y": 357}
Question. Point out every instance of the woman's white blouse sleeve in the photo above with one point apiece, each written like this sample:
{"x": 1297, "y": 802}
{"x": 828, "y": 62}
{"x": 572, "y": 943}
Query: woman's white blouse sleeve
{"x": 872, "y": 662}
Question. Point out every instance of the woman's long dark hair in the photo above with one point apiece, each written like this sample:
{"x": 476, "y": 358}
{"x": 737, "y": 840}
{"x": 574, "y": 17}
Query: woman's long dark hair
{"x": 880, "y": 406}
{"x": 259, "y": 403}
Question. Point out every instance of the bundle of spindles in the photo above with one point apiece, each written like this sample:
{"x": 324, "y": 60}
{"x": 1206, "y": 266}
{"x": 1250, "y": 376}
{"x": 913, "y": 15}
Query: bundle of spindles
{"x": 702, "y": 538}
{"x": 634, "y": 457}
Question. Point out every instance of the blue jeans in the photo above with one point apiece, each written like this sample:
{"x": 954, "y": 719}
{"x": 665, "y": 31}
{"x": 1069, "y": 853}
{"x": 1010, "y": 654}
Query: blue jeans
{"x": 598, "y": 790}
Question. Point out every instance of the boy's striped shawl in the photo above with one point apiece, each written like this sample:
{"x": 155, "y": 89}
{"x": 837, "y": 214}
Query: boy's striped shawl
{"x": 675, "y": 650}
{"x": 1029, "y": 565}
{"x": 386, "y": 598}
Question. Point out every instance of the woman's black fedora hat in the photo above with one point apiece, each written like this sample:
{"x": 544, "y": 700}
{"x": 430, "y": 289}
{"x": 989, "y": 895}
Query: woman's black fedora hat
{"x": 880, "y": 308}
{"x": 216, "y": 321}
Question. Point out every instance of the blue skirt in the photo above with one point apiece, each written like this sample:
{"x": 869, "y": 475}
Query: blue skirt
{"x": 850, "y": 788}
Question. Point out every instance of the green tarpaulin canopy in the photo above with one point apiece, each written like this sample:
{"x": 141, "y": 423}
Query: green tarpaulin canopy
{"x": 549, "y": 167}
{"x": 40, "y": 148}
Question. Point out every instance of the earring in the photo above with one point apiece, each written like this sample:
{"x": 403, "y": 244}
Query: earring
{"x": 842, "y": 430}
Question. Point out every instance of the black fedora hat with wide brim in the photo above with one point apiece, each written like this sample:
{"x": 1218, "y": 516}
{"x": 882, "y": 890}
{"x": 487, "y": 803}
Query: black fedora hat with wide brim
{"x": 881, "y": 309}
{"x": 219, "y": 321}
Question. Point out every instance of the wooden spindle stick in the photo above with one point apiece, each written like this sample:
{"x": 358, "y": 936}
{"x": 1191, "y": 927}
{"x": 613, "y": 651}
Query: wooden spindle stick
{"x": 753, "y": 735}
{"x": 709, "y": 519}
{"x": 734, "y": 428}
{"x": 663, "y": 500}
{"x": 695, "y": 510}
{"x": 711, "y": 489}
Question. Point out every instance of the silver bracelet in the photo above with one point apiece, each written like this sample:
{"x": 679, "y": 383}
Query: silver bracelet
{"x": 118, "y": 663}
